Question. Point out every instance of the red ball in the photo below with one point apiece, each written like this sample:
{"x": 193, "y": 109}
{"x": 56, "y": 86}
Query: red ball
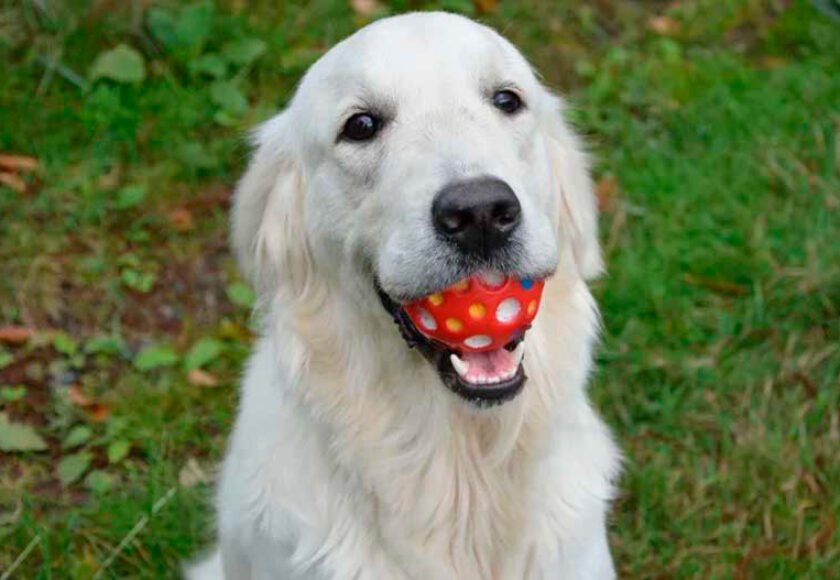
{"x": 481, "y": 313}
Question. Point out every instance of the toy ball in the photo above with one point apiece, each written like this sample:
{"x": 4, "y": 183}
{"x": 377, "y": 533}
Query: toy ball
{"x": 481, "y": 313}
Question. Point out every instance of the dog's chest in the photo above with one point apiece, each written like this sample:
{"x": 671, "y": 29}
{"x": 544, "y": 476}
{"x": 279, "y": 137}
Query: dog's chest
{"x": 456, "y": 514}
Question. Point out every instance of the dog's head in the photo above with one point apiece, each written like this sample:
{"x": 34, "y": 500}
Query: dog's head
{"x": 418, "y": 152}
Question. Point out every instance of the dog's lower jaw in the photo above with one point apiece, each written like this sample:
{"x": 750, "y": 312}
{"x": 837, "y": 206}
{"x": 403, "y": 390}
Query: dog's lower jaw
{"x": 438, "y": 355}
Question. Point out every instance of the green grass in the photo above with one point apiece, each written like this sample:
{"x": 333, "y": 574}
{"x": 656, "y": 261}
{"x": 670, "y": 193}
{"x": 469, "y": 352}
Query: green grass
{"x": 718, "y": 147}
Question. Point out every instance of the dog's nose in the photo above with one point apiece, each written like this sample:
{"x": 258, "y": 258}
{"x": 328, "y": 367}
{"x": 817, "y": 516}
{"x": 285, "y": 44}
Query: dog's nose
{"x": 479, "y": 215}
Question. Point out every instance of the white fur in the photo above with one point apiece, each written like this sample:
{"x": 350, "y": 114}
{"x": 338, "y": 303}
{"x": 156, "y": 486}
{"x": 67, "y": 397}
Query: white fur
{"x": 349, "y": 458}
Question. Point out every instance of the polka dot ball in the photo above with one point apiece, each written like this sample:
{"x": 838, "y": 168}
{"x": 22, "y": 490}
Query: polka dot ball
{"x": 481, "y": 313}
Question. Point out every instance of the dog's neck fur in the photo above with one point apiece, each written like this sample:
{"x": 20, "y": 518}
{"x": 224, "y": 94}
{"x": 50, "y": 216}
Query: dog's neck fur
{"x": 439, "y": 474}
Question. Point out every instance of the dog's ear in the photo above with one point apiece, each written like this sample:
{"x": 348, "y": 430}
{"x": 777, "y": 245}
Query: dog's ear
{"x": 578, "y": 205}
{"x": 268, "y": 231}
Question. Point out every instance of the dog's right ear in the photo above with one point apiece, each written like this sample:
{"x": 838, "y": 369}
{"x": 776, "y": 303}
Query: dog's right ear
{"x": 269, "y": 235}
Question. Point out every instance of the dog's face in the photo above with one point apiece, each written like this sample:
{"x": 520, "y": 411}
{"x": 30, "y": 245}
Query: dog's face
{"x": 423, "y": 150}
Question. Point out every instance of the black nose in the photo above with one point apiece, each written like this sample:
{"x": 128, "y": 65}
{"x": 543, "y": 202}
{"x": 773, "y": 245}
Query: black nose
{"x": 479, "y": 215}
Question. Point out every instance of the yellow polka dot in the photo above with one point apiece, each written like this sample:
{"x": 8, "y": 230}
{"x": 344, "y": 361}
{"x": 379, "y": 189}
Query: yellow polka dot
{"x": 436, "y": 299}
{"x": 461, "y": 286}
{"x": 532, "y": 307}
{"x": 478, "y": 310}
{"x": 454, "y": 325}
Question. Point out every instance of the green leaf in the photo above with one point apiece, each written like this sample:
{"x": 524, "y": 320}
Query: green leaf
{"x": 226, "y": 95}
{"x": 129, "y": 196}
{"x": 162, "y": 25}
{"x": 194, "y": 24}
{"x": 209, "y": 64}
{"x": 12, "y": 394}
{"x": 141, "y": 281}
{"x": 105, "y": 345}
{"x": 65, "y": 345}
{"x": 77, "y": 435}
{"x": 154, "y": 357}
{"x": 6, "y": 358}
{"x": 243, "y": 52}
{"x": 241, "y": 295}
{"x": 202, "y": 353}
{"x": 72, "y": 467}
{"x": 118, "y": 450}
{"x": 122, "y": 64}
{"x": 19, "y": 437}
{"x": 99, "y": 481}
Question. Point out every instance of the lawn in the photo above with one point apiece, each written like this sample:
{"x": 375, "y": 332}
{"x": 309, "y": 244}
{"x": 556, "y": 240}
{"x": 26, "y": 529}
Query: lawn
{"x": 124, "y": 325}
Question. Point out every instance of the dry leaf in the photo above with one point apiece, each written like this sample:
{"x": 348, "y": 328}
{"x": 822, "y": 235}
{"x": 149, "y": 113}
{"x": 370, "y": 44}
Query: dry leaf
{"x": 181, "y": 219}
{"x": 77, "y": 397}
{"x": 606, "y": 190}
{"x": 485, "y": 6}
{"x": 14, "y": 182}
{"x": 98, "y": 412}
{"x": 18, "y": 163}
{"x": 200, "y": 378}
{"x": 664, "y": 25}
{"x": 772, "y": 62}
{"x": 15, "y": 334}
{"x": 192, "y": 474}
{"x": 365, "y": 7}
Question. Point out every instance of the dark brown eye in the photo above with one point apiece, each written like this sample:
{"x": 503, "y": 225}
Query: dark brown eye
{"x": 507, "y": 101}
{"x": 361, "y": 127}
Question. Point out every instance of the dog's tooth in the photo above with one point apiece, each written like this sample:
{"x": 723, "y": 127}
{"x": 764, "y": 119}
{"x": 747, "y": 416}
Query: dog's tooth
{"x": 518, "y": 354}
{"x": 461, "y": 367}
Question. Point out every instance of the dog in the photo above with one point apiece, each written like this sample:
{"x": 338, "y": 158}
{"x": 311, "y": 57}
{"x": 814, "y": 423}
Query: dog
{"x": 359, "y": 450}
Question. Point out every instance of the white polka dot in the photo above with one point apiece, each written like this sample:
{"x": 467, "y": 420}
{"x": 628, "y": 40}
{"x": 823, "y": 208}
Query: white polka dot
{"x": 493, "y": 279}
{"x": 478, "y": 341}
{"x": 508, "y": 310}
{"x": 427, "y": 320}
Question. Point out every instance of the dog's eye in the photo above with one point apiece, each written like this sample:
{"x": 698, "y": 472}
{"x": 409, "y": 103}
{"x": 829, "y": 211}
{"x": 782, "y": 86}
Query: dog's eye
{"x": 507, "y": 101}
{"x": 361, "y": 127}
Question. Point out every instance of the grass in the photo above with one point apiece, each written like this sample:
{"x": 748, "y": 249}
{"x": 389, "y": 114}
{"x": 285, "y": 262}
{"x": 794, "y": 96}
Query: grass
{"x": 717, "y": 131}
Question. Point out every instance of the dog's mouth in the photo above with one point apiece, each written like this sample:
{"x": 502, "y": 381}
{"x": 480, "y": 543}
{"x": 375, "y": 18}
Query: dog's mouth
{"x": 482, "y": 378}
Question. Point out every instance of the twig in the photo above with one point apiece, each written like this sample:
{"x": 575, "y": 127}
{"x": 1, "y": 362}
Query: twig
{"x": 133, "y": 533}
{"x": 19, "y": 560}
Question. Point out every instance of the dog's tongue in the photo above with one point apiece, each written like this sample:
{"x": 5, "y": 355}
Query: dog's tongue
{"x": 492, "y": 363}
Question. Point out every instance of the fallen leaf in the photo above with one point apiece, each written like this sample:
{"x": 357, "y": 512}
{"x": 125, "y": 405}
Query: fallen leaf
{"x": 99, "y": 412}
{"x": 118, "y": 450}
{"x": 192, "y": 474}
{"x": 77, "y": 435}
{"x": 77, "y": 397}
{"x": 14, "y": 182}
{"x": 365, "y": 7}
{"x": 203, "y": 353}
{"x": 19, "y": 437}
{"x": 99, "y": 481}
{"x": 664, "y": 25}
{"x": 155, "y": 356}
{"x": 123, "y": 64}
{"x": 18, "y": 163}
{"x": 485, "y": 6}
{"x": 200, "y": 378}
{"x": 73, "y": 467}
{"x": 181, "y": 219}
{"x": 606, "y": 190}
{"x": 772, "y": 62}
{"x": 15, "y": 334}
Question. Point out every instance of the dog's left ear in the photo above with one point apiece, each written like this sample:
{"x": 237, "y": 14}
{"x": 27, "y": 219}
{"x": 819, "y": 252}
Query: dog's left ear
{"x": 570, "y": 169}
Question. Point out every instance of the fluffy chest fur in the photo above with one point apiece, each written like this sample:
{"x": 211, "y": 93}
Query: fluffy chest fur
{"x": 343, "y": 474}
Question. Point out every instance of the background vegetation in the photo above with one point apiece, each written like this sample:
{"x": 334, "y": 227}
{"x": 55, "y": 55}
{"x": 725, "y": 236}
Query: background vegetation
{"x": 123, "y": 325}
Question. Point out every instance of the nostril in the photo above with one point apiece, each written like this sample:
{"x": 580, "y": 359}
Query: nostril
{"x": 454, "y": 221}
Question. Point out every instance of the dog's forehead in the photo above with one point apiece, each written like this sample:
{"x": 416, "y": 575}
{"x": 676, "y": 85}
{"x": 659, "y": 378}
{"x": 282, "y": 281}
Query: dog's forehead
{"x": 418, "y": 51}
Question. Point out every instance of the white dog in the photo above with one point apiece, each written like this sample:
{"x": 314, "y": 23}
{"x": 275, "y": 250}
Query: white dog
{"x": 418, "y": 152}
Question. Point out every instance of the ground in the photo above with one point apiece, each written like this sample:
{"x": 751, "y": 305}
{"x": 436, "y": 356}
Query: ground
{"x": 123, "y": 324}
